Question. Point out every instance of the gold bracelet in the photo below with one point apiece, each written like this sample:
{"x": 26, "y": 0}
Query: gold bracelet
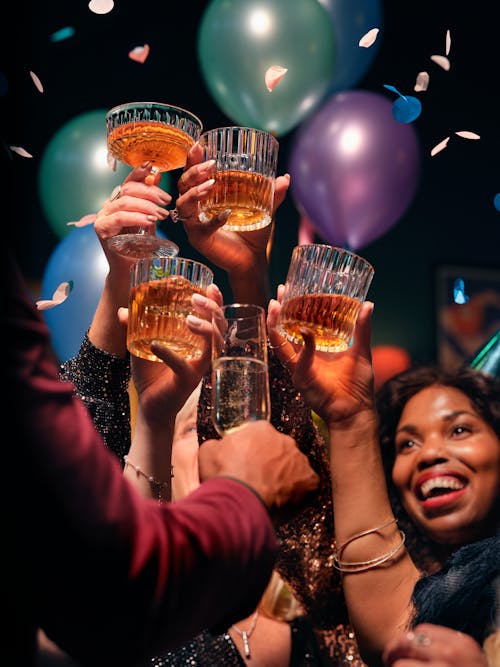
{"x": 156, "y": 486}
{"x": 361, "y": 566}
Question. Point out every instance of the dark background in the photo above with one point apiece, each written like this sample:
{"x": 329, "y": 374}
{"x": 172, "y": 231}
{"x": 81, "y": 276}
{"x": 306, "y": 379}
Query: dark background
{"x": 451, "y": 220}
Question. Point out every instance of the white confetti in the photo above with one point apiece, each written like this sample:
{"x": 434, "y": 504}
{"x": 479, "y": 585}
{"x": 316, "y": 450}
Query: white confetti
{"x": 369, "y": 38}
{"x": 139, "y": 53}
{"x": 440, "y": 146}
{"x": 422, "y": 82}
{"x": 101, "y": 6}
{"x": 273, "y": 76}
{"x": 442, "y": 61}
{"x": 85, "y": 220}
{"x": 20, "y": 151}
{"x": 448, "y": 42}
{"x": 59, "y": 296}
{"x": 37, "y": 82}
{"x": 468, "y": 135}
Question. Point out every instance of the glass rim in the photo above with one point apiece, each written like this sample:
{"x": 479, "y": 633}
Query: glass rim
{"x": 259, "y": 310}
{"x": 345, "y": 251}
{"x": 239, "y": 127}
{"x": 162, "y": 105}
{"x": 174, "y": 258}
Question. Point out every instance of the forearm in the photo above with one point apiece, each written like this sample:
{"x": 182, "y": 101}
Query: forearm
{"x": 251, "y": 286}
{"x": 148, "y": 463}
{"x": 378, "y": 597}
{"x": 106, "y": 332}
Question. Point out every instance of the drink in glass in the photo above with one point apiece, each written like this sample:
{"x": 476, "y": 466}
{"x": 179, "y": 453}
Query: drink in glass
{"x": 245, "y": 175}
{"x": 162, "y": 134}
{"x": 324, "y": 290}
{"x": 240, "y": 380}
{"x": 159, "y": 302}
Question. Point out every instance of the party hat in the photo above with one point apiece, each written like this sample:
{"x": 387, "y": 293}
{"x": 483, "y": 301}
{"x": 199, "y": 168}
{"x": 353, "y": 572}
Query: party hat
{"x": 487, "y": 358}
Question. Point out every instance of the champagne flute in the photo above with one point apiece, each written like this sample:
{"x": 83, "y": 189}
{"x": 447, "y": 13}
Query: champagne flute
{"x": 162, "y": 134}
{"x": 240, "y": 378}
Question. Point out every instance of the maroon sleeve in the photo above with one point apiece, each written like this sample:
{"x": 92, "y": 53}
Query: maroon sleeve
{"x": 107, "y": 574}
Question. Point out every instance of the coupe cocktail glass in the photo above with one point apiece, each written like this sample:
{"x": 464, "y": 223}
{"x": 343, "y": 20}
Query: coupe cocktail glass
{"x": 139, "y": 132}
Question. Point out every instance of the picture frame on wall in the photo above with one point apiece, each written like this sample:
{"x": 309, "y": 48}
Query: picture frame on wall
{"x": 467, "y": 311}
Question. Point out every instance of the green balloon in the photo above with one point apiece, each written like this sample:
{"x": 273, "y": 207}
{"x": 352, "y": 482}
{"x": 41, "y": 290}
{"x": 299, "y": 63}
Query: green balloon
{"x": 239, "y": 40}
{"x": 74, "y": 177}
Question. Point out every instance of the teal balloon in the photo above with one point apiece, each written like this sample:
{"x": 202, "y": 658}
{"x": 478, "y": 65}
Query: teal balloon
{"x": 74, "y": 177}
{"x": 239, "y": 40}
{"x": 351, "y": 20}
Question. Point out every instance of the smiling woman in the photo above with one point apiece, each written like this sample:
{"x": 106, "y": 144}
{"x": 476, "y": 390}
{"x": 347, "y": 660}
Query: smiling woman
{"x": 440, "y": 435}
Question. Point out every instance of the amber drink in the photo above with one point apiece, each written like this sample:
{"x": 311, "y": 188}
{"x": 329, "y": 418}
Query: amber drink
{"x": 245, "y": 175}
{"x": 159, "y": 303}
{"x": 324, "y": 290}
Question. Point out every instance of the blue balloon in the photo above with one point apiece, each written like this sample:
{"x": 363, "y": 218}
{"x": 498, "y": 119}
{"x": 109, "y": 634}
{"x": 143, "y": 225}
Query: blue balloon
{"x": 351, "y": 20}
{"x": 80, "y": 258}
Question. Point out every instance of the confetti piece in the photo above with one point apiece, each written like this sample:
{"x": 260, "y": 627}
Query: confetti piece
{"x": 442, "y": 61}
{"x": 406, "y": 108}
{"x": 369, "y": 38}
{"x": 59, "y": 296}
{"x": 440, "y": 146}
{"x": 37, "y": 82}
{"x": 448, "y": 42}
{"x": 101, "y": 6}
{"x": 273, "y": 76}
{"x": 459, "y": 295}
{"x": 20, "y": 151}
{"x": 62, "y": 34}
{"x": 496, "y": 201}
{"x": 422, "y": 82}
{"x": 465, "y": 134}
{"x": 139, "y": 53}
{"x": 85, "y": 220}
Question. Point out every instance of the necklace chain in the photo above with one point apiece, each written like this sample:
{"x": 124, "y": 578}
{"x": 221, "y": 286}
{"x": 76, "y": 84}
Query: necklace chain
{"x": 245, "y": 635}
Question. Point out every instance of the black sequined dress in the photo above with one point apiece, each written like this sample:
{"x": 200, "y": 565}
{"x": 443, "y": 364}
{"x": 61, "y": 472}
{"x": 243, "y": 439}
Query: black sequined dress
{"x": 305, "y": 559}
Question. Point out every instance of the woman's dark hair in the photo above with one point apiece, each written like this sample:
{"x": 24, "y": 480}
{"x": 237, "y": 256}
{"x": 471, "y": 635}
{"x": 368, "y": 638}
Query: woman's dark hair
{"x": 484, "y": 393}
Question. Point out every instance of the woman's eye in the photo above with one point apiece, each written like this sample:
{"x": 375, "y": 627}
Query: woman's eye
{"x": 461, "y": 429}
{"x": 405, "y": 445}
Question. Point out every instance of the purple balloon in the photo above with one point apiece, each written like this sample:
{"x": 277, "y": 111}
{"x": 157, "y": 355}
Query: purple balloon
{"x": 354, "y": 169}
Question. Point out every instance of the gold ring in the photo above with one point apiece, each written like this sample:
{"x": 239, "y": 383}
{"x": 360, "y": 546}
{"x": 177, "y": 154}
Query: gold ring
{"x": 277, "y": 347}
{"x": 285, "y": 363}
{"x": 115, "y": 193}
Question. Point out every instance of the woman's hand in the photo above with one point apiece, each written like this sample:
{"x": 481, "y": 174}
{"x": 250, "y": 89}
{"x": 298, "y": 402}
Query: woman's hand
{"x": 336, "y": 385}
{"x": 243, "y": 255}
{"x": 162, "y": 389}
{"x": 434, "y": 646}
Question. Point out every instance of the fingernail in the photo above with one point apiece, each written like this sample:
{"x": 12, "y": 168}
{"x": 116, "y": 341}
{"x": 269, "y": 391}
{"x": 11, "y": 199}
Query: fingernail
{"x": 207, "y": 166}
{"x": 199, "y": 299}
{"x": 194, "y": 321}
{"x": 145, "y": 165}
{"x": 225, "y": 214}
{"x": 204, "y": 187}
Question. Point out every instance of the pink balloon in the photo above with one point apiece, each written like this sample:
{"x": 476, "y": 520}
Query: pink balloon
{"x": 354, "y": 169}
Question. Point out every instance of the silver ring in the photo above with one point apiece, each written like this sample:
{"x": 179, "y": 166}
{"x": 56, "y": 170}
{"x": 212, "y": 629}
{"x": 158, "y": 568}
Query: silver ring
{"x": 175, "y": 216}
{"x": 422, "y": 639}
{"x": 115, "y": 193}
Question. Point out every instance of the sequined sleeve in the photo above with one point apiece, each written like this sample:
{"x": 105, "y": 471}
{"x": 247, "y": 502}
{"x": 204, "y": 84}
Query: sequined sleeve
{"x": 101, "y": 380}
{"x": 305, "y": 559}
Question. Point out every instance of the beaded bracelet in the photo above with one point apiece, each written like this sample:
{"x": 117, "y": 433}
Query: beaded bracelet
{"x": 360, "y": 566}
{"x": 157, "y": 487}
